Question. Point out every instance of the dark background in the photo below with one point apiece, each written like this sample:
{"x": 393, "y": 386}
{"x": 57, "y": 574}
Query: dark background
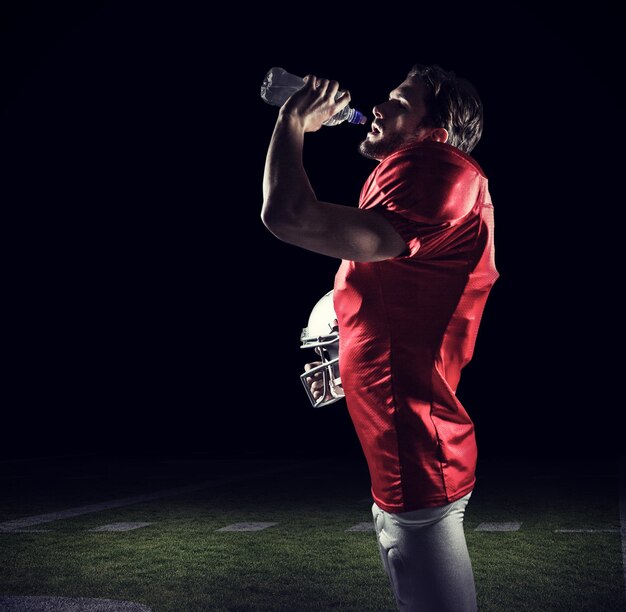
{"x": 147, "y": 309}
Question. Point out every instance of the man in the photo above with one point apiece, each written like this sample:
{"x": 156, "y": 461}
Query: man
{"x": 417, "y": 267}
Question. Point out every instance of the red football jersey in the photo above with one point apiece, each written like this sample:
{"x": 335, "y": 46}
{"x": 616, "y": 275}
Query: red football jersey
{"x": 408, "y": 325}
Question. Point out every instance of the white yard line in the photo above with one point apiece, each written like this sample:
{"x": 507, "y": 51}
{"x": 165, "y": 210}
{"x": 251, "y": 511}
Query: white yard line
{"x": 17, "y": 525}
{"x": 247, "y": 526}
{"x": 500, "y": 526}
{"x": 29, "y": 521}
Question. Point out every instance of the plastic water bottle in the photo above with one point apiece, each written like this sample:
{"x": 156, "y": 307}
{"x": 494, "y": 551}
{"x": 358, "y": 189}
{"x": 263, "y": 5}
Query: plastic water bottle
{"x": 278, "y": 85}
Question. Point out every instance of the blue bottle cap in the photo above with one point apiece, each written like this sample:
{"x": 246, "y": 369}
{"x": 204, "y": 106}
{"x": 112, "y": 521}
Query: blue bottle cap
{"x": 358, "y": 118}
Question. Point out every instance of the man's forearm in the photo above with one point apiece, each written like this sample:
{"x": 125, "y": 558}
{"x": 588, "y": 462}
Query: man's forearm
{"x": 286, "y": 187}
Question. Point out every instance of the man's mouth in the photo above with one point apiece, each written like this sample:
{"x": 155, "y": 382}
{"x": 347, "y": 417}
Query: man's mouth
{"x": 375, "y": 129}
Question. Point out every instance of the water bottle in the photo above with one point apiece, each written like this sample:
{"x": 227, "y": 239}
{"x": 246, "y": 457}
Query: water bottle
{"x": 278, "y": 85}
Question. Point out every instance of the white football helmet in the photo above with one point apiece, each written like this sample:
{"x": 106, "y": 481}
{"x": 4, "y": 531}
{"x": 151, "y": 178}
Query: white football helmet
{"x": 322, "y": 335}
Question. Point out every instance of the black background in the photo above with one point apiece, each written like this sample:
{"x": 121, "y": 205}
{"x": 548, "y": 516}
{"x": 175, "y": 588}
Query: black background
{"x": 147, "y": 309}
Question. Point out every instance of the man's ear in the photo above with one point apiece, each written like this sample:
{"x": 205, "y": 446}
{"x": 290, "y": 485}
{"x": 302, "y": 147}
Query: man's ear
{"x": 439, "y": 135}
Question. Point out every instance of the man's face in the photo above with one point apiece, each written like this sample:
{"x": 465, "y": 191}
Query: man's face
{"x": 397, "y": 121}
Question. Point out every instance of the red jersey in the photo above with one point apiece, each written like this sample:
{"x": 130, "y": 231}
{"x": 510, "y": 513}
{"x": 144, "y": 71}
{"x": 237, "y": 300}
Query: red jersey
{"x": 408, "y": 325}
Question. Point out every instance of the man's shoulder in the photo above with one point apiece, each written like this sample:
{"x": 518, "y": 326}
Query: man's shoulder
{"x": 431, "y": 153}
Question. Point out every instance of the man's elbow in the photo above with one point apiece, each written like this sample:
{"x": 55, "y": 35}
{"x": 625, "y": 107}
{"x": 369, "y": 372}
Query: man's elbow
{"x": 275, "y": 221}
{"x": 269, "y": 217}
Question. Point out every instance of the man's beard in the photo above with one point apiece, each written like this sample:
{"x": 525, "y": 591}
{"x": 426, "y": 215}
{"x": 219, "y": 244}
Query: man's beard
{"x": 379, "y": 149}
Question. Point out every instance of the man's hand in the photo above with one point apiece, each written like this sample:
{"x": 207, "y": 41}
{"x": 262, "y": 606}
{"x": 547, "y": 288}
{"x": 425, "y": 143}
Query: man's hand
{"x": 315, "y": 381}
{"x": 316, "y": 384}
{"x": 315, "y": 103}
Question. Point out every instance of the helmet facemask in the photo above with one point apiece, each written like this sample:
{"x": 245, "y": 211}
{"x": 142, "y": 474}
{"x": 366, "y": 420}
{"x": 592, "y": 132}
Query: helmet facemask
{"x": 322, "y": 335}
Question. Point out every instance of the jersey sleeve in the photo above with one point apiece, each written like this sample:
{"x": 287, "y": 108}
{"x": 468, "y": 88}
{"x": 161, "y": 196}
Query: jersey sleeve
{"x": 423, "y": 191}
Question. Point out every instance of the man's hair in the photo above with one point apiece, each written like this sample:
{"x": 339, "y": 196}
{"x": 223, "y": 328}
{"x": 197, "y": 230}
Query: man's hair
{"x": 452, "y": 103}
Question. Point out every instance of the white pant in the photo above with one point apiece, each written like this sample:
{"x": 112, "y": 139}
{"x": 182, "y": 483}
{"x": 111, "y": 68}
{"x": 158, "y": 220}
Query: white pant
{"x": 425, "y": 556}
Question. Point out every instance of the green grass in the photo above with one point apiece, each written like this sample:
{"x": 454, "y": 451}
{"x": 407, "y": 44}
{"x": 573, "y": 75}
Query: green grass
{"x": 308, "y": 561}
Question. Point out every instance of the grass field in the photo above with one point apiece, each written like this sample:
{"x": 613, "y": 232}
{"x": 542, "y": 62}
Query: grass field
{"x": 564, "y": 556}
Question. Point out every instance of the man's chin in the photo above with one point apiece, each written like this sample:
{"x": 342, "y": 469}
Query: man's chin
{"x": 371, "y": 150}
{"x": 380, "y": 148}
